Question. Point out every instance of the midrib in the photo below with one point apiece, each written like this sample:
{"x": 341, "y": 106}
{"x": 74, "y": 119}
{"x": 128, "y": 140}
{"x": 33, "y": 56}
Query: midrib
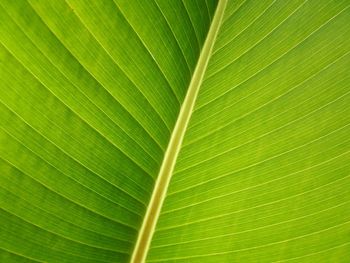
{"x": 161, "y": 186}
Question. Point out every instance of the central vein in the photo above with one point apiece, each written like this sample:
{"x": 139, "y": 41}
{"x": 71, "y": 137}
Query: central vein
{"x": 160, "y": 189}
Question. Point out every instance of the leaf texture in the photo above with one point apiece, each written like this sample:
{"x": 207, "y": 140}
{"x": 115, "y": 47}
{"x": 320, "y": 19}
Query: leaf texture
{"x": 90, "y": 96}
{"x": 263, "y": 173}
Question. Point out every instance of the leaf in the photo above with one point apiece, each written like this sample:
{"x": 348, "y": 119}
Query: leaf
{"x": 224, "y": 127}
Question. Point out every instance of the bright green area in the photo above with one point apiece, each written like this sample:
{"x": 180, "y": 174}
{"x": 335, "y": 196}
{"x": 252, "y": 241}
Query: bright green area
{"x": 264, "y": 171}
{"x": 90, "y": 92}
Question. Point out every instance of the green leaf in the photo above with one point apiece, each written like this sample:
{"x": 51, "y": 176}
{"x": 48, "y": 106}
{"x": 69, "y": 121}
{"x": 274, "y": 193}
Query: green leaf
{"x": 175, "y": 131}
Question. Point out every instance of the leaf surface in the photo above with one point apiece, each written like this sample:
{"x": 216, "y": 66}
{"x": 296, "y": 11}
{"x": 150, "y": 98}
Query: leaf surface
{"x": 93, "y": 95}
